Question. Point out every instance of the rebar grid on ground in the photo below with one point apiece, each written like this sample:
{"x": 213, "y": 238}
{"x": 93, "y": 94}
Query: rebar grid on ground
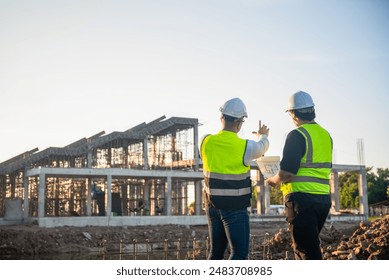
{"x": 180, "y": 249}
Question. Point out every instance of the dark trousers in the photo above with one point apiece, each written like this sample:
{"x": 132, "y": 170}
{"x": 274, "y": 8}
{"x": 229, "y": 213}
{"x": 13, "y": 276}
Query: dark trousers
{"x": 306, "y": 220}
{"x": 228, "y": 228}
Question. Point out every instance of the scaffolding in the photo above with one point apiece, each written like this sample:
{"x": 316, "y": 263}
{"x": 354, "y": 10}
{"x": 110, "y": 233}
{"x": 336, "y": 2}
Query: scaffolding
{"x": 161, "y": 145}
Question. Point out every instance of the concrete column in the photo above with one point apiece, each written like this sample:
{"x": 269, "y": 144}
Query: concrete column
{"x": 198, "y": 197}
{"x": 108, "y": 209}
{"x": 261, "y": 205}
{"x": 334, "y": 182}
{"x": 168, "y": 196}
{"x": 145, "y": 155}
{"x": 3, "y": 186}
{"x": 267, "y": 198}
{"x": 180, "y": 196}
{"x": 173, "y": 149}
{"x": 12, "y": 178}
{"x": 146, "y": 197}
{"x": 154, "y": 161}
{"x": 41, "y": 195}
{"x": 26, "y": 201}
{"x": 89, "y": 197}
{"x": 196, "y": 149}
{"x": 89, "y": 157}
{"x": 362, "y": 190}
{"x": 259, "y": 201}
{"x": 125, "y": 150}
{"x": 184, "y": 187}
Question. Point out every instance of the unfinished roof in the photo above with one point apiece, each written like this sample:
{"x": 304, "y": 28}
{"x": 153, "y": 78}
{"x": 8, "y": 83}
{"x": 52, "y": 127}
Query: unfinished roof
{"x": 158, "y": 127}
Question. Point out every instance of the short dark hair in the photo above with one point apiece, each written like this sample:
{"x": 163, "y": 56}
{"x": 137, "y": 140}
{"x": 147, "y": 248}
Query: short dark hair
{"x": 229, "y": 118}
{"x": 306, "y": 114}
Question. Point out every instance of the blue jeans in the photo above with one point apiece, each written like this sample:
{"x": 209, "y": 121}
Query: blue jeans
{"x": 228, "y": 227}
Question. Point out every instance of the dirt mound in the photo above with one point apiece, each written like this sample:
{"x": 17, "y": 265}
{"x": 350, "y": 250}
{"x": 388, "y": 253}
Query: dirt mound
{"x": 366, "y": 241}
{"x": 369, "y": 242}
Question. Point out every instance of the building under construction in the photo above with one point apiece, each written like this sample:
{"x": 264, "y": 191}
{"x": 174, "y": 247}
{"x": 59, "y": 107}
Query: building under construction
{"x": 148, "y": 170}
{"x": 149, "y": 174}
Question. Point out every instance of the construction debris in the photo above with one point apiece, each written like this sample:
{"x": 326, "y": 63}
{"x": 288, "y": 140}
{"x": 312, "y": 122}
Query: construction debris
{"x": 368, "y": 241}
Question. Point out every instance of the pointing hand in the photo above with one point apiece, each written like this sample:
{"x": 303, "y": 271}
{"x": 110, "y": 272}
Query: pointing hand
{"x": 262, "y": 129}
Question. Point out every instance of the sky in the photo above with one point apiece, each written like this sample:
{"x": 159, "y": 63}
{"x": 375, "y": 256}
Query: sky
{"x": 71, "y": 69}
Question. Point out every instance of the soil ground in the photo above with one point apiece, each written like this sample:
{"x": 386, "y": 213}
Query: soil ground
{"x": 270, "y": 240}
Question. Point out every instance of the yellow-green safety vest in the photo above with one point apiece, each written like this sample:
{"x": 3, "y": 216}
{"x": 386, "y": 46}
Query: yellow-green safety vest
{"x": 314, "y": 173}
{"x": 227, "y": 178}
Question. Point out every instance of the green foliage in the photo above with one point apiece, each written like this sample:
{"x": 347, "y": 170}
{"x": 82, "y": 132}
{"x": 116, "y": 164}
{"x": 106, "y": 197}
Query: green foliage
{"x": 348, "y": 189}
{"x": 373, "y": 218}
{"x": 349, "y": 195}
{"x": 377, "y": 187}
{"x": 254, "y": 197}
{"x": 276, "y": 196}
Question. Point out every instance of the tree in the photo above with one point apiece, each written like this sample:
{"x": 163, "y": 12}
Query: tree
{"x": 377, "y": 187}
{"x": 348, "y": 190}
{"x": 276, "y": 196}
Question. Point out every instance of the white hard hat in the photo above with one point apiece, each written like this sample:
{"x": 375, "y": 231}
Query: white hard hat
{"x": 234, "y": 108}
{"x": 300, "y": 100}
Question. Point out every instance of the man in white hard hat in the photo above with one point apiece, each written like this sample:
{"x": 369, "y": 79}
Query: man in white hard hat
{"x": 304, "y": 177}
{"x": 227, "y": 191}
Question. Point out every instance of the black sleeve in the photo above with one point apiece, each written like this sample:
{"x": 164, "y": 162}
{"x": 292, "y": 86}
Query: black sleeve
{"x": 294, "y": 150}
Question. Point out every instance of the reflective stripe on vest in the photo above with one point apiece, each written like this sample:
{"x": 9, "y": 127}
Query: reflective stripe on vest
{"x": 226, "y": 177}
{"x": 230, "y": 177}
{"x": 314, "y": 173}
{"x": 233, "y": 177}
{"x": 227, "y": 192}
{"x": 304, "y": 179}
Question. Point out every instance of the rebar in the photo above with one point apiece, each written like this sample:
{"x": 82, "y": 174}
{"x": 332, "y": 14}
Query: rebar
{"x": 134, "y": 246}
{"x": 266, "y": 247}
{"x": 120, "y": 249}
{"x": 178, "y": 249}
{"x": 194, "y": 248}
{"x": 103, "y": 248}
{"x": 207, "y": 247}
{"x": 148, "y": 249}
{"x": 166, "y": 248}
